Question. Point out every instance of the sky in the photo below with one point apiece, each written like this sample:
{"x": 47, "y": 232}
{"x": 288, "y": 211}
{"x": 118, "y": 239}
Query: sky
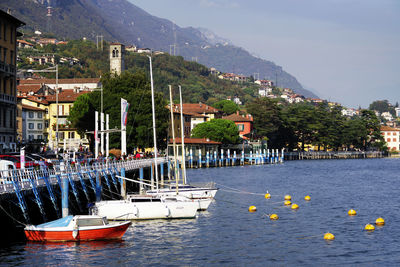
{"x": 345, "y": 51}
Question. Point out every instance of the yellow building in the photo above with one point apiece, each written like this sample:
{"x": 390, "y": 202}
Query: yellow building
{"x": 68, "y": 137}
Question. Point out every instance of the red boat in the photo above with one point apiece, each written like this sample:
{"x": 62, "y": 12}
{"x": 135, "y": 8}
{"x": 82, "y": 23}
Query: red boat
{"x": 76, "y": 228}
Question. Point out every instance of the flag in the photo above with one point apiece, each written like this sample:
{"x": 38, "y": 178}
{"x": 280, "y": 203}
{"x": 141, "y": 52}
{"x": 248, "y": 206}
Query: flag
{"x": 124, "y": 112}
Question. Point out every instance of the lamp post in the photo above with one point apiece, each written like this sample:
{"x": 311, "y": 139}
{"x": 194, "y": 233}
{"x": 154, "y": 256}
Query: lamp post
{"x": 53, "y": 69}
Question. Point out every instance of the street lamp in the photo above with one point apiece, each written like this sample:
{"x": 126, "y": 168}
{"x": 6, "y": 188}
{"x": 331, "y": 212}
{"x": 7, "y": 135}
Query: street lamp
{"x": 53, "y": 69}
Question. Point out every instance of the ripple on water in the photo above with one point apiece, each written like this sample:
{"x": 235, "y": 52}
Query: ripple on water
{"x": 228, "y": 235}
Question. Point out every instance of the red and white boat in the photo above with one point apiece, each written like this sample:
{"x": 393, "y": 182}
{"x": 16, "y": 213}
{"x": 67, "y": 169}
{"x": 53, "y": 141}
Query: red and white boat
{"x": 76, "y": 228}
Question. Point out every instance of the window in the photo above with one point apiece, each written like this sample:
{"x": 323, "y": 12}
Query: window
{"x": 31, "y": 126}
{"x": 46, "y": 123}
{"x": 31, "y": 115}
{"x": 40, "y": 126}
{"x": 12, "y": 57}
{"x": 5, "y": 55}
{"x": 40, "y": 137}
{"x": 394, "y": 139}
{"x": 389, "y": 133}
{"x": 40, "y": 115}
{"x": 31, "y": 137}
{"x": 240, "y": 127}
{"x": 5, "y": 31}
{"x": 388, "y": 139}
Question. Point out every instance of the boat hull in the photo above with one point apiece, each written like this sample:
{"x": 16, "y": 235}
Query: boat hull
{"x": 125, "y": 210}
{"x": 81, "y": 234}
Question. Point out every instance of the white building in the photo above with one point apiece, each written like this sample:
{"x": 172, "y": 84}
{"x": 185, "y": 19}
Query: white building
{"x": 387, "y": 116}
{"x": 264, "y": 91}
{"x": 391, "y": 136}
{"x": 349, "y": 112}
{"x": 32, "y": 123}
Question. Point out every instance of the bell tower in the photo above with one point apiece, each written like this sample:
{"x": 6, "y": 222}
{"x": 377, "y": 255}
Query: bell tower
{"x": 117, "y": 61}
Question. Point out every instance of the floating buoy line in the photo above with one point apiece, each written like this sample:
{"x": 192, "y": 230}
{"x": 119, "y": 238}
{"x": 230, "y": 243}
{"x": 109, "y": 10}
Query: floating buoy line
{"x": 287, "y": 202}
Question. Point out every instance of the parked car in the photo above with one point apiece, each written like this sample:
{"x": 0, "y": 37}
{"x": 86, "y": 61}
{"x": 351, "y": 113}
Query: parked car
{"x": 17, "y": 162}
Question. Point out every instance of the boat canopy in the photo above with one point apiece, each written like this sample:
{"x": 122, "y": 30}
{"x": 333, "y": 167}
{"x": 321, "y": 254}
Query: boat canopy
{"x": 62, "y": 222}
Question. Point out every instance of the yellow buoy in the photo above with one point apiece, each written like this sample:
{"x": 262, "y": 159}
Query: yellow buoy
{"x": 287, "y": 202}
{"x": 252, "y": 208}
{"x": 308, "y": 198}
{"x": 380, "y": 221}
{"x": 273, "y": 217}
{"x": 295, "y": 206}
{"x": 369, "y": 227}
{"x": 352, "y": 212}
{"x": 329, "y": 236}
{"x": 288, "y": 197}
{"x": 267, "y": 195}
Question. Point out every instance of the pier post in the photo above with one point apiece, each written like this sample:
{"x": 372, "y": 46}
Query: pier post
{"x": 64, "y": 196}
{"x": 141, "y": 178}
{"x": 242, "y": 160}
{"x": 200, "y": 158}
{"x": 276, "y": 155}
{"x": 234, "y": 158}
{"x": 191, "y": 158}
{"x": 263, "y": 156}
{"x": 169, "y": 170}
{"x": 215, "y": 158}
{"x": 251, "y": 157}
{"x": 221, "y": 158}
{"x": 229, "y": 158}
{"x": 282, "y": 155}
{"x": 272, "y": 156}
{"x": 162, "y": 172}
{"x": 268, "y": 155}
{"x": 123, "y": 183}
{"x": 98, "y": 186}
{"x": 208, "y": 159}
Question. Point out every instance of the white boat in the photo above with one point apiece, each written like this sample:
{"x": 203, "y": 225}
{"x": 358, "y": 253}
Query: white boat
{"x": 147, "y": 207}
{"x": 204, "y": 195}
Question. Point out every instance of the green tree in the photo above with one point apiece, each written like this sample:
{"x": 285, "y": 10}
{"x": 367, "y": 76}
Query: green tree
{"x": 219, "y": 130}
{"x": 135, "y": 89}
{"x": 226, "y": 106}
{"x": 82, "y": 114}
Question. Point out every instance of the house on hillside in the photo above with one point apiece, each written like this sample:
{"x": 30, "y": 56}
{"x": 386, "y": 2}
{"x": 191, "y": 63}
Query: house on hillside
{"x": 391, "y": 136}
{"x": 244, "y": 123}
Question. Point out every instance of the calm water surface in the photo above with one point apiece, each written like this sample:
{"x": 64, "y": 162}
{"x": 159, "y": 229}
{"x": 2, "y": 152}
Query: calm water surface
{"x": 228, "y": 235}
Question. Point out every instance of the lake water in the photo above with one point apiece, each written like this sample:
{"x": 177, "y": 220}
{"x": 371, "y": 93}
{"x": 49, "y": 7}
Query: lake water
{"x": 228, "y": 235}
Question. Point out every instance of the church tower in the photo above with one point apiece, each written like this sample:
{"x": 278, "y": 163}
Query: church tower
{"x": 117, "y": 55}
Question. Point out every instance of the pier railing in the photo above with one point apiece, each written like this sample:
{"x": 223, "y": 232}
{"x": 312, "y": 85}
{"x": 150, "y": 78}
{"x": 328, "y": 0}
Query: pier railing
{"x": 29, "y": 178}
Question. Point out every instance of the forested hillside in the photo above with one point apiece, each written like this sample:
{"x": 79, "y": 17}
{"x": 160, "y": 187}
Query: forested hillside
{"x": 198, "y": 84}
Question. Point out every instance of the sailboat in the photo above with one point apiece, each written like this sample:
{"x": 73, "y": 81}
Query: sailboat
{"x": 203, "y": 194}
{"x": 144, "y": 207}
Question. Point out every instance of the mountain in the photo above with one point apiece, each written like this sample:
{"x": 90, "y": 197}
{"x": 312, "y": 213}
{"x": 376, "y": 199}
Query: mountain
{"x": 122, "y": 21}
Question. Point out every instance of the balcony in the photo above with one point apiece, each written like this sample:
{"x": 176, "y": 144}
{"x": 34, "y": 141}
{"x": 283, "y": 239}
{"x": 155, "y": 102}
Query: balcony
{"x": 8, "y": 69}
{"x": 9, "y": 99}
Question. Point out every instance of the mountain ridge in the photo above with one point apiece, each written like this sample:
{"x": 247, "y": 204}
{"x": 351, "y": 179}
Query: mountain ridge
{"x": 120, "y": 20}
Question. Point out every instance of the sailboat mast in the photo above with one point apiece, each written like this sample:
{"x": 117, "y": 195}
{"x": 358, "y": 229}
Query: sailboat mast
{"x": 173, "y": 137}
{"x": 154, "y": 128}
{"x": 182, "y": 140}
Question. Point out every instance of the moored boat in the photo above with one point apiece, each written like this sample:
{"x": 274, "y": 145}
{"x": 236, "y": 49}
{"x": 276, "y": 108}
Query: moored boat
{"x": 76, "y": 228}
{"x": 203, "y": 194}
{"x": 147, "y": 207}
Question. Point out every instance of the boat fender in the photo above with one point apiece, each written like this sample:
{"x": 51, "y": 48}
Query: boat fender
{"x": 167, "y": 211}
{"x": 75, "y": 232}
{"x": 135, "y": 211}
